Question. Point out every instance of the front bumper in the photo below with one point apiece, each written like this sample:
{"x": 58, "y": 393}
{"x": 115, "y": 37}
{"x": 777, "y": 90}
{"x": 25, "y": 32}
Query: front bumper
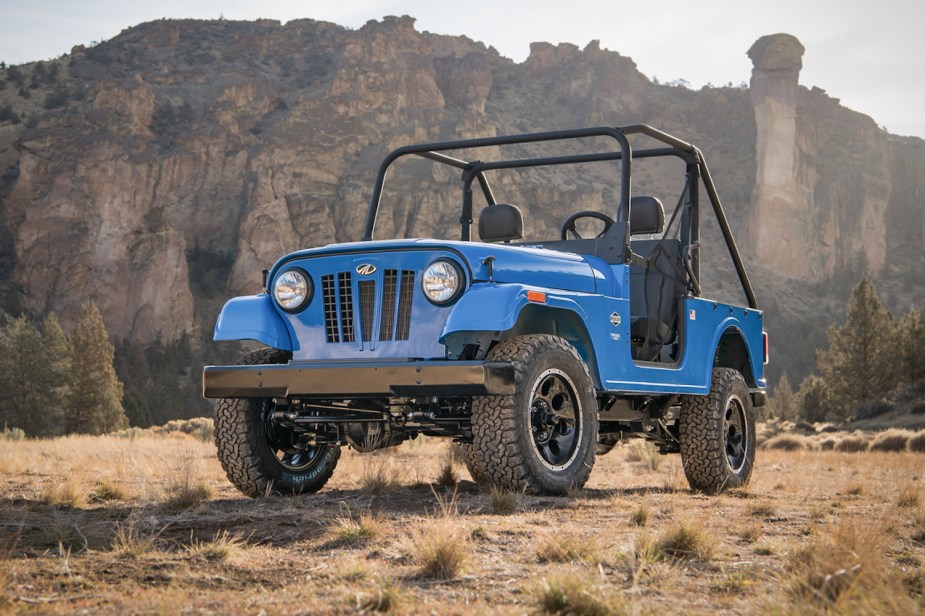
{"x": 359, "y": 379}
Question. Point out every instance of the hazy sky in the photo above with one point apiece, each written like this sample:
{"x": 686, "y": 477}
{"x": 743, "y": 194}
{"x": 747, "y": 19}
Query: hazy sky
{"x": 871, "y": 55}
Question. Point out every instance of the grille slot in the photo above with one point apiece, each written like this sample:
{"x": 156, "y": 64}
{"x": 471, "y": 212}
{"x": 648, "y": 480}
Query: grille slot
{"x": 330, "y": 308}
{"x": 346, "y": 307}
{"x": 394, "y": 311}
{"x": 367, "y": 307}
{"x": 389, "y": 297}
{"x": 403, "y": 328}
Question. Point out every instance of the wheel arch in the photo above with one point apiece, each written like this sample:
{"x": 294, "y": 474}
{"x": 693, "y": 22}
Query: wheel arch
{"x": 561, "y": 322}
{"x": 534, "y": 318}
{"x": 732, "y": 352}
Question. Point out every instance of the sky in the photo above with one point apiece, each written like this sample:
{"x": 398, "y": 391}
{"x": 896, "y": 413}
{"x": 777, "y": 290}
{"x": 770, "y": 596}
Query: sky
{"x": 870, "y": 55}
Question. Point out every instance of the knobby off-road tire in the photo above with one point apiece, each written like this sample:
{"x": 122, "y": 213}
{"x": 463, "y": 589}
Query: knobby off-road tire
{"x": 472, "y": 464}
{"x": 252, "y": 460}
{"x": 718, "y": 434}
{"x": 541, "y": 440}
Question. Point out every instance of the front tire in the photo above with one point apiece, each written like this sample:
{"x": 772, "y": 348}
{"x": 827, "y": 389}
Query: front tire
{"x": 718, "y": 434}
{"x": 258, "y": 456}
{"x": 542, "y": 439}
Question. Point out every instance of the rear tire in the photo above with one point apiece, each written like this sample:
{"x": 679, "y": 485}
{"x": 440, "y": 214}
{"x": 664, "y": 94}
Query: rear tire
{"x": 717, "y": 434}
{"x": 541, "y": 440}
{"x": 256, "y": 454}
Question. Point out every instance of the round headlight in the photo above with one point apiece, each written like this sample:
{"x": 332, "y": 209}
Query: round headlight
{"x": 442, "y": 282}
{"x": 292, "y": 290}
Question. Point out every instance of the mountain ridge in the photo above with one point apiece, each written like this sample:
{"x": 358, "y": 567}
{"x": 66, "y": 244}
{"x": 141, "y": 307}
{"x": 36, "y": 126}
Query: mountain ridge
{"x": 252, "y": 139}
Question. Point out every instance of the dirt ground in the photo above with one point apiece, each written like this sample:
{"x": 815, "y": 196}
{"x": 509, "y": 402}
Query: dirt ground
{"x": 150, "y": 525}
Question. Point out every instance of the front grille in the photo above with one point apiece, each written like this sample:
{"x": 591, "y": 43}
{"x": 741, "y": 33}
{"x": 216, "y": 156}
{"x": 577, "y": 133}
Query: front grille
{"x": 394, "y": 312}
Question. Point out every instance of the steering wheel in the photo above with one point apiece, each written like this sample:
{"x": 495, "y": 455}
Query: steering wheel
{"x": 569, "y": 224}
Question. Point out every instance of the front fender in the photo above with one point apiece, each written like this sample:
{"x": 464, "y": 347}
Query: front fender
{"x": 253, "y": 317}
{"x": 496, "y": 308}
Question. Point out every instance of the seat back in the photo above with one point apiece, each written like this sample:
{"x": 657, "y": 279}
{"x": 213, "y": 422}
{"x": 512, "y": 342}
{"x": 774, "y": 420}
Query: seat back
{"x": 501, "y": 223}
{"x": 647, "y": 216}
{"x": 655, "y": 289}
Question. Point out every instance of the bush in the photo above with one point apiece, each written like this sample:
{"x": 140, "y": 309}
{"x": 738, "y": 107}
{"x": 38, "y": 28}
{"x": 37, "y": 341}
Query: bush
{"x": 13, "y": 434}
{"x": 787, "y": 442}
{"x": 917, "y": 442}
{"x": 873, "y": 408}
{"x": 851, "y": 444}
{"x": 891, "y": 440}
{"x": 56, "y": 98}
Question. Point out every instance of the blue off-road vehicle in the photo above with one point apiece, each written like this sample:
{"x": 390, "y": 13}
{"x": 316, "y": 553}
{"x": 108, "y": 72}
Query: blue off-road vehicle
{"x": 533, "y": 355}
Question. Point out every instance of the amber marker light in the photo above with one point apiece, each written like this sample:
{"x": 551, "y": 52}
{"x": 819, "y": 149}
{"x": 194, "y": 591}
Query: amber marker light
{"x": 536, "y": 296}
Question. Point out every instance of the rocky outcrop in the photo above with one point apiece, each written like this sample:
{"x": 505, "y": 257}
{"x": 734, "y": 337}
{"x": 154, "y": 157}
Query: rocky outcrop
{"x": 252, "y": 139}
{"x": 823, "y": 177}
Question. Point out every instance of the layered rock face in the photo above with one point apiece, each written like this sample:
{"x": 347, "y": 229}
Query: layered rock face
{"x": 252, "y": 139}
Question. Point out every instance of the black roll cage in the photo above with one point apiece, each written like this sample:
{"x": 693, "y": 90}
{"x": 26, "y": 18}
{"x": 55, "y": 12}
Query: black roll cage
{"x": 475, "y": 171}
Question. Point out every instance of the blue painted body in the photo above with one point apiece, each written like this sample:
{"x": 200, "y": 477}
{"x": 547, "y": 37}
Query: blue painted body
{"x": 585, "y": 290}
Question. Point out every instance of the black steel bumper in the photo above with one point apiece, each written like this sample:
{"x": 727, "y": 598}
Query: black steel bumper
{"x": 359, "y": 379}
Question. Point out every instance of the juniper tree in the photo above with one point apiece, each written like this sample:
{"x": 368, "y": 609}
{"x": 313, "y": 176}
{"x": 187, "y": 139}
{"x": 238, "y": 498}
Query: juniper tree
{"x": 20, "y": 349}
{"x": 816, "y": 402}
{"x": 55, "y": 376}
{"x": 95, "y": 402}
{"x": 859, "y": 364}
{"x": 783, "y": 402}
{"x": 910, "y": 345}
{"x": 34, "y": 376}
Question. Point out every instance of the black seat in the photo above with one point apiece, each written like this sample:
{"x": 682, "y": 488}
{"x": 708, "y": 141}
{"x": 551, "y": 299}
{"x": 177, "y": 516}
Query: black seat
{"x": 501, "y": 223}
{"x": 656, "y": 286}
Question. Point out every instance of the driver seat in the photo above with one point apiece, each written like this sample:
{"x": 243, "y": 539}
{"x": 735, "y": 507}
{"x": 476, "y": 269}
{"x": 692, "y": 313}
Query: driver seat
{"x": 655, "y": 287}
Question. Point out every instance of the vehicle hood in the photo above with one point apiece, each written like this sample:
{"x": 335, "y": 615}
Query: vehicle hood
{"x": 527, "y": 265}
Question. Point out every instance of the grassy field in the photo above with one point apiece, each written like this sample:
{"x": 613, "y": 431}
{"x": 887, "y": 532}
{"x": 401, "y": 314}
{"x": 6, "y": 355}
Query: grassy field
{"x": 149, "y": 524}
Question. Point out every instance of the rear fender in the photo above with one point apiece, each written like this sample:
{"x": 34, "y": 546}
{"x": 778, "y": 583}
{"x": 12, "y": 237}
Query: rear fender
{"x": 253, "y": 317}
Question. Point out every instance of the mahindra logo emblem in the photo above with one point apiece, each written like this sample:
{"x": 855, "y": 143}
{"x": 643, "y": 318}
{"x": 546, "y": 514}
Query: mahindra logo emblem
{"x": 366, "y": 269}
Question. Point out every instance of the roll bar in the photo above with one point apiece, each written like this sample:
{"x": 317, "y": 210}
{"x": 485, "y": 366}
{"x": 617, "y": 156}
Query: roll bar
{"x": 475, "y": 170}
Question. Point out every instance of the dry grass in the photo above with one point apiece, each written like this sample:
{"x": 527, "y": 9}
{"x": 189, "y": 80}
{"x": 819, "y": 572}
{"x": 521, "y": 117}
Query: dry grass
{"x": 503, "y": 501}
{"x": 685, "y": 541}
{"x": 186, "y": 493}
{"x": 354, "y": 531}
{"x": 222, "y": 545}
{"x": 105, "y": 490}
{"x": 787, "y": 442}
{"x": 440, "y": 549}
{"x": 62, "y": 495}
{"x": 385, "y": 596}
{"x": 131, "y": 541}
{"x": 568, "y": 592}
{"x": 639, "y": 516}
{"x": 917, "y": 442}
{"x": 567, "y": 547}
{"x": 909, "y": 497}
{"x": 891, "y": 440}
{"x": 109, "y": 545}
{"x": 852, "y": 444}
{"x": 447, "y": 477}
{"x": 645, "y": 452}
{"x": 844, "y": 571}
{"x": 380, "y": 474}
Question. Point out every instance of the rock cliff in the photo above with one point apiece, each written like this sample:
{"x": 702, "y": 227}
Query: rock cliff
{"x": 252, "y": 139}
